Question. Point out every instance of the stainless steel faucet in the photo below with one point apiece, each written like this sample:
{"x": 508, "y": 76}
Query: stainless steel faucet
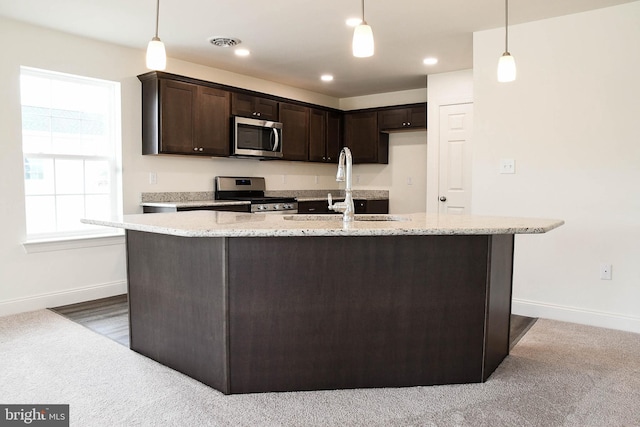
{"x": 345, "y": 163}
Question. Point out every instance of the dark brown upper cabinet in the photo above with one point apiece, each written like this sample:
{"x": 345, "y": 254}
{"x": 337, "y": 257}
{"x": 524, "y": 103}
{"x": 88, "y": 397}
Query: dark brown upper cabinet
{"x": 366, "y": 142}
{"x": 254, "y": 107}
{"x": 408, "y": 117}
{"x": 325, "y": 136}
{"x": 295, "y": 131}
{"x": 182, "y": 115}
{"x": 184, "y": 118}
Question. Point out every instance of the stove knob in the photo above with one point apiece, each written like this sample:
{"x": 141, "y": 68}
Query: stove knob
{"x": 261, "y": 207}
{"x": 276, "y": 207}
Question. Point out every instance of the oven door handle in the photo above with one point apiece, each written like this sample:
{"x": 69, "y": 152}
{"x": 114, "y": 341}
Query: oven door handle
{"x": 276, "y": 140}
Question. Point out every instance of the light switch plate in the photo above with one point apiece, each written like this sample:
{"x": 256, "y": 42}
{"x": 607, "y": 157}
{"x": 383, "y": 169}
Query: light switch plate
{"x": 507, "y": 166}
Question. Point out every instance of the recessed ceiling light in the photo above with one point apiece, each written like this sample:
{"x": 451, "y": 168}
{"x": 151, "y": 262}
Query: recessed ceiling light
{"x": 430, "y": 61}
{"x": 354, "y": 22}
{"x": 242, "y": 52}
{"x": 326, "y": 78}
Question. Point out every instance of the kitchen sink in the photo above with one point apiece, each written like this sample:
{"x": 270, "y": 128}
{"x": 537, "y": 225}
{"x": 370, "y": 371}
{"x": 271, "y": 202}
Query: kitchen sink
{"x": 357, "y": 217}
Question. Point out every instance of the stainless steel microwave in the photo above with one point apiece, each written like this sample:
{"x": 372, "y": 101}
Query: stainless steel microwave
{"x": 256, "y": 138}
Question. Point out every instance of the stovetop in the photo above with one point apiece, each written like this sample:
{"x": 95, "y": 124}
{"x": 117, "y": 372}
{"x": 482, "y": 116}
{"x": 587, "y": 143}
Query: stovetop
{"x": 251, "y": 189}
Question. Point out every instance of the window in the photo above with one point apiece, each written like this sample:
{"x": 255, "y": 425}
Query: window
{"x": 71, "y": 149}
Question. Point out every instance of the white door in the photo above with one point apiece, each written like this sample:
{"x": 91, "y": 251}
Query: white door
{"x": 456, "y": 127}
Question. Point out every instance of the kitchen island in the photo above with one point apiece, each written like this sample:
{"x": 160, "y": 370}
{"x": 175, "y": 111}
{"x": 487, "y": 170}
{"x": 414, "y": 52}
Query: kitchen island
{"x": 257, "y": 303}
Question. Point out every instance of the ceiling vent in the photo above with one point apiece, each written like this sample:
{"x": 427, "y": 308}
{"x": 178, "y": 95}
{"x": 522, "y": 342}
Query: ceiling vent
{"x": 224, "y": 41}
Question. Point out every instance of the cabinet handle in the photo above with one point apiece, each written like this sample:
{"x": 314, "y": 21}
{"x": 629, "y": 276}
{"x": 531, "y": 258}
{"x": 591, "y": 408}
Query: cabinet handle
{"x": 201, "y": 149}
{"x": 195, "y": 148}
{"x": 408, "y": 123}
{"x": 443, "y": 199}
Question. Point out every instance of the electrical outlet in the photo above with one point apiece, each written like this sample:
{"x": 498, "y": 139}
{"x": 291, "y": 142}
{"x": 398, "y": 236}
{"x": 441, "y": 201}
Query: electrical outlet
{"x": 315, "y": 179}
{"x": 410, "y": 180}
{"x": 153, "y": 178}
{"x": 605, "y": 271}
{"x": 507, "y": 166}
{"x": 357, "y": 179}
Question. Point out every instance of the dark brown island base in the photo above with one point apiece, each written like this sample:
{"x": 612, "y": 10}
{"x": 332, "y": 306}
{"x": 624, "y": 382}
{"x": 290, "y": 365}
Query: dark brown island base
{"x": 250, "y": 305}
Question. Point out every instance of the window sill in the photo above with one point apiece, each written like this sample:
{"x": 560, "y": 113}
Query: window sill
{"x": 76, "y": 242}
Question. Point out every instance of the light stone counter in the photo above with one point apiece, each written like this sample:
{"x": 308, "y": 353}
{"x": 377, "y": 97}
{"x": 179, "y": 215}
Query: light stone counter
{"x": 233, "y": 224}
{"x": 195, "y": 204}
{"x": 185, "y": 200}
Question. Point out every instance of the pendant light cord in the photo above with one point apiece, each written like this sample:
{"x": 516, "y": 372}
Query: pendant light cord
{"x": 363, "y": 21}
{"x": 157, "y": 16}
{"x": 506, "y": 25}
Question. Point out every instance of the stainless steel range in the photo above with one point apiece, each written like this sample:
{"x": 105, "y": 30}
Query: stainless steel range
{"x": 252, "y": 189}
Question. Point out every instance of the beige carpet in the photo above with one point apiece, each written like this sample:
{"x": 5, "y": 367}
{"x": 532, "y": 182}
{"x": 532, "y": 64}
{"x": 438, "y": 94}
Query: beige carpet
{"x": 559, "y": 374}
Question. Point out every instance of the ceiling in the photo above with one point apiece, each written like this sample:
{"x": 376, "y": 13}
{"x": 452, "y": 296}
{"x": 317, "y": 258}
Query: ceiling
{"x": 295, "y": 41}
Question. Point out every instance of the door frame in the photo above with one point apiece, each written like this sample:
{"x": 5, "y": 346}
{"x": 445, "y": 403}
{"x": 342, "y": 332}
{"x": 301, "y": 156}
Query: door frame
{"x": 433, "y": 148}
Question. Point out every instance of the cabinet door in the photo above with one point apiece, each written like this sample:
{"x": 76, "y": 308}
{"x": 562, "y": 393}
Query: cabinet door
{"x": 254, "y": 107}
{"x": 295, "y": 132}
{"x": 361, "y": 136}
{"x": 418, "y": 117}
{"x": 392, "y": 119}
{"x": 212, "y": 122}
{"x": 314, "y": 207}
{"x": 177, "y": 113}
{"x": 317, "y": 135}
{"x": 334, "y": 136}
{"x": 377, "y": 206}
{"x": 267, "y": 109}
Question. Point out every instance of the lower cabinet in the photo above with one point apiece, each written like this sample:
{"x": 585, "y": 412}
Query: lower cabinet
{"x": 376, "y": 206}
{"x": 362, "y": 206}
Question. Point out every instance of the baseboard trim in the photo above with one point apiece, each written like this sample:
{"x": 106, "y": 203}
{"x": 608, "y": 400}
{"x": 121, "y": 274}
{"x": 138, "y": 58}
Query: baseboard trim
{"x": 65, "y": 297}
{"x": 576, "y": 315}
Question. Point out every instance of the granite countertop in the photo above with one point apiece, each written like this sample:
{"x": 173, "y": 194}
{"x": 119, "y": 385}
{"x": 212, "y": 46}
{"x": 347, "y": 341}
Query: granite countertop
{"x": 234, "y": 224}
{"x": 195, "y": 203}
{"x": 206, "y": 198}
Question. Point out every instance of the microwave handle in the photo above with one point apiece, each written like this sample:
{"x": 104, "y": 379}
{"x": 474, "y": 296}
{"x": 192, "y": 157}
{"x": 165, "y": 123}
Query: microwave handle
{"x": 276, "y": 138}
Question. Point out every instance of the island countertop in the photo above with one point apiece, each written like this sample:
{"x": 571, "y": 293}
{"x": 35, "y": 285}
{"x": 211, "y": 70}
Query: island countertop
{"x": 234, "y": 224}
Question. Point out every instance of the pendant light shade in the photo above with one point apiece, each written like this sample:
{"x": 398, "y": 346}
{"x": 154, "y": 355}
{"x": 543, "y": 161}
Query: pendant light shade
{"x": 506, "y": 68}
{"x": 363, "y": 46}
{"x": 363, "y": 41}
{"x": 156, "y": 54}
{"x": 506, "y": 64}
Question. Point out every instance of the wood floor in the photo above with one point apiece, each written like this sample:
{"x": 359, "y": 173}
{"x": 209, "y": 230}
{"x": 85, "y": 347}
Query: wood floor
{"x": 106, "y": 316}
{"x": 109, "y": 317}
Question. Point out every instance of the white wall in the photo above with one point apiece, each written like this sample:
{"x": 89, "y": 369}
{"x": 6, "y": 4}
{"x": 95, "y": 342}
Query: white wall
{"x": 570, "y": 121}
{"x": 68, "y": 274}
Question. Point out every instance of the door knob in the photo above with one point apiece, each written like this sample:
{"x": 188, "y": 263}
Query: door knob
{"x": 443, "y": 199}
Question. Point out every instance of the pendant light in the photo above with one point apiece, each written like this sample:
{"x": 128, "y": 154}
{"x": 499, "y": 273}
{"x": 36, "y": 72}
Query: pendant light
{"x": 362, "y": 39}
{"x": 506, "y": 64}
{"x": 156, "y": 55}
